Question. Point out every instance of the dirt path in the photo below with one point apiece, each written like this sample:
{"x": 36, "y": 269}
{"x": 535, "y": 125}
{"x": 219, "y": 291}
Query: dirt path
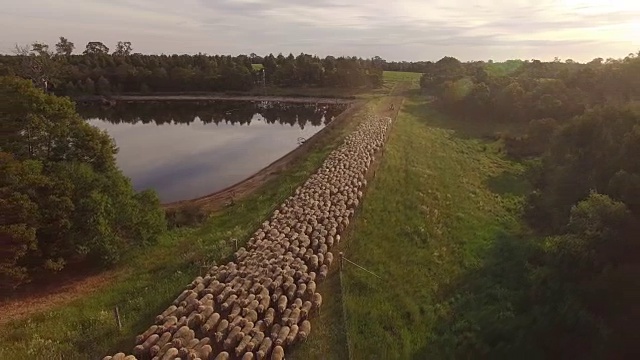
{"x": 37, "y": 299}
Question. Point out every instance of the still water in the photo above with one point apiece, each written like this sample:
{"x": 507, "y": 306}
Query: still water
{"x": 187, "y": 150}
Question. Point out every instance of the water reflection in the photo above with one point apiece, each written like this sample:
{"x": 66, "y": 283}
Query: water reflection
{"x": 187, "y": 150}
{"x": 216, "y": 112}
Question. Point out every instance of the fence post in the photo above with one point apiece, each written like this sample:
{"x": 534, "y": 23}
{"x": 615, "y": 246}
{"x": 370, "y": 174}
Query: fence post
{"x": 341, "y": 260}
{"x": 116, "y": 314}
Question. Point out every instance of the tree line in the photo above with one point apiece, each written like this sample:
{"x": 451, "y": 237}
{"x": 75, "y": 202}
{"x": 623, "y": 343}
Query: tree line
{"x": 63, "y": 201}
{"x": 567, "y": 287}
{"x": 97, "y": 71}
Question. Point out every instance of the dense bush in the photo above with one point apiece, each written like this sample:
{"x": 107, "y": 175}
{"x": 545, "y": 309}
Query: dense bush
{"x": 562, "y": 290}
{"x": 187, "y": 215}
{"x": 62, "y": 198}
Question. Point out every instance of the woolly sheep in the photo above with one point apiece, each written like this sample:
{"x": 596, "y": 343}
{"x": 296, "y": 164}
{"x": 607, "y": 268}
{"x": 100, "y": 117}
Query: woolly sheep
{"x": 278, "y": 353}
{"x": 264, "y": 349}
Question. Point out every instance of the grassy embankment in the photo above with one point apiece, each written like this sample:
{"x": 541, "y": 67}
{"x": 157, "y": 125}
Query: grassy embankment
{"x": 148, "y": 280}
{"x": 436, "y": 225}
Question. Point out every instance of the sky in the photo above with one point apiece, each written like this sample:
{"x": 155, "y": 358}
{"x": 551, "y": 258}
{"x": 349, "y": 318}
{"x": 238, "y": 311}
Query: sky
{"x": 395, "y": 30}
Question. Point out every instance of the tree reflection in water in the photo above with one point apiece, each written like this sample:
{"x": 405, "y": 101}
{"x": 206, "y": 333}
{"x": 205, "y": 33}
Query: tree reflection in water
{"x": 234, "y": 112}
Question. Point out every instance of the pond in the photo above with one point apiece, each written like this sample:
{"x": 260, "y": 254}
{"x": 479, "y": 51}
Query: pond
{"x": 187, "y": 150}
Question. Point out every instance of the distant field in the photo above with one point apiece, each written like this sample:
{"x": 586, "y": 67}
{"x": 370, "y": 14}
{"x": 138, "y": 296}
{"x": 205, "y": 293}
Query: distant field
{"x": 257, "y": 66}
{"x": 391, "y": 78}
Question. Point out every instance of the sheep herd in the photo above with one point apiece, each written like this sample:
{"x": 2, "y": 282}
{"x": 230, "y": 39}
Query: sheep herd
{"x": 259, "y": 305}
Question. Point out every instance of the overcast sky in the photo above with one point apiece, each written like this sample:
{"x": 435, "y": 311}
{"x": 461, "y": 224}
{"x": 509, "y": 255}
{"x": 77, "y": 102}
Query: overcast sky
{"x": 393, "y": 29}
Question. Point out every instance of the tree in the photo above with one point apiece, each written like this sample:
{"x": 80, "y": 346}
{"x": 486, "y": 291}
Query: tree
{"x": 89, "y": 86}
{"x": 96, "y": 48}
{"x": 38, "y": 64}
{"x": 62, "y": 198}
{"x": 18, "y": 218}
{"x": 64, "y": 47}
{"x": 103, "y": 86}
{"x": 123, "y": 48}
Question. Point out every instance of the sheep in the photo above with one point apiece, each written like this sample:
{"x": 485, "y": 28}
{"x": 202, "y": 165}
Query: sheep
{"x": 294, "y": 317}
{"x": 143, "y": 337}
{"x": 233, "y": 338}
{"x": 182, "y": 337}
{"x": 282, "y": 303}
{"x": 306, "y": 308}
{"x": 304, "y": 330}
{"x": 293, "y": 333}
{"x": 221, "y": 330}
{"x": 222, "y": 356}
{"x": 139, "y": 350}
{"x": 264, "y": 349}
{"x": 328, "y": 259}
{"x": 210, "y": 323}
{"x": 269, "y": 316}
{"x": 194, "y": 320}
{"x": 278, "y": 353}
{"x": 282, "y": 335}
{"x": 171, "y": 354}
{"x": 297, "y": 303}
{"x": 162, "y": 341}
{"x": 248, "y": 326}
{"x": 237, "y": 310}
{"x": 240, "y": 348}
{"x": 160, "y": 318}
{"x": 186, "y": 349}
{"x": 275, "y": 330}
{"x": 205, "y": 351}
{"x": 255, "y": 341}
{"x": 317, "y": 302}
{"x": 322, "y": 274}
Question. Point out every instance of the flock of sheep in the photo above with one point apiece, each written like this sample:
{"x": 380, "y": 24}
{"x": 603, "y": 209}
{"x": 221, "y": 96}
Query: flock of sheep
{"x": 260, "y": 304}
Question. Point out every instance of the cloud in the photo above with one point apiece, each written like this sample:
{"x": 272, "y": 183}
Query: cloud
{"x": 396, "y": 30}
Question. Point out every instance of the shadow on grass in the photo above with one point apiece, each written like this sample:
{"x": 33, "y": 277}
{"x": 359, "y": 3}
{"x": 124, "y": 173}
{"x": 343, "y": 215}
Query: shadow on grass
{"x": 484, "y": 313}
{"x": 463, "y": 128}
{"x": 509, "y": 183}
